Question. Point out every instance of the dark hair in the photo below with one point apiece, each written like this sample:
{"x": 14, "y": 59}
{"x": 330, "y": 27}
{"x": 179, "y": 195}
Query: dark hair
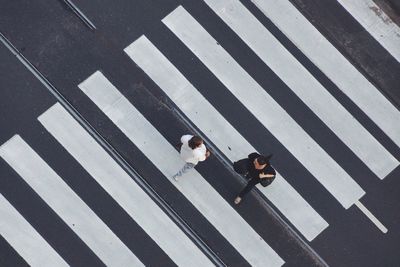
{"x": 195, "y": 141}
{"x": 264, "y": 159}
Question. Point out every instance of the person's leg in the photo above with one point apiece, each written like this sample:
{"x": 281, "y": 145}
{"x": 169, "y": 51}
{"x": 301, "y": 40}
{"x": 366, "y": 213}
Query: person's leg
{"x": 250, "y": 184}
{"x": 187, "y": 167}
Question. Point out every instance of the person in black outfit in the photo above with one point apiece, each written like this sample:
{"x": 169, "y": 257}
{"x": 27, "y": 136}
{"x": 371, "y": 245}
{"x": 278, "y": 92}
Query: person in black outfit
{"x": 254, "y": 168}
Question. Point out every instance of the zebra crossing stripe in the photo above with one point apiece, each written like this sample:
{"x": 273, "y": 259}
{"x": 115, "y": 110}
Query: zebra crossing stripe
{"x": 305, "y": 86}
{"x": 255, "y": 99}
{"x": 376, "y": 22}
{"x": 116, "y": 182}
{"x": 71, "y": 209}
{"x": 193, "y": 186}
{"x": 221, "y": 133}
{"x": 25, "y": 239}
{"x": 334, "y": 65}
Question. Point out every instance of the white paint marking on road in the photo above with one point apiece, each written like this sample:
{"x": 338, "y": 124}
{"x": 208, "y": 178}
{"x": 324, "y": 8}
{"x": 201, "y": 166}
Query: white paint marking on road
{"x": 371, "y": 217}
{"x": 376, "y": 22}
{"x": 116, "y": 182}
{"x": 221, "y": 133}
{"x": 71, "y": 209}
{"x": 334, "y": 65}
{"x": 29, "y": 244}
{"x": 305, "y": 86}
{"x": 256, "y": 99}
{"x": 193, "y": 186}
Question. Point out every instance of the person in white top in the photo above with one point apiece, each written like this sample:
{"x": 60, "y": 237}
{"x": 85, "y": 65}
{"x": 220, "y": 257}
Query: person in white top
{"x": 192, "y": 151}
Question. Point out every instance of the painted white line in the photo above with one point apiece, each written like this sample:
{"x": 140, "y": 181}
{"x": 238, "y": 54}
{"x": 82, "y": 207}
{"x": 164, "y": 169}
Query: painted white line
{"x": 100, "y": 165}
{"x": 376, "y": 22}
{"x": 193, "y": 186}
{"x": 371, "y": 217}
{"x": 71, "y": 209}
{"x": 256, "y": 100}
{"x": 221, "y": 133}
{"x": 305, "y": 86}
{"x": 29, "y": 244}
{"x": 334, "y": 65}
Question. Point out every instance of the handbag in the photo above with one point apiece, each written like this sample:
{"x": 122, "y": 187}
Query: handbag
{"x": 267, "y": 181}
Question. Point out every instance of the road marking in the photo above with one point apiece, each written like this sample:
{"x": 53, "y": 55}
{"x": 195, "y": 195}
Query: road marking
{"x": 63, "y": 200}
{"x": 80, "y": 14}
{"x": 305, "y": 86}
{"x": 371, "y": 217}
{"x": 255, "y": 99}
{"x": 99, "y": 164}
{"x": 221, "y": 133}
{"x": 334, "y": 65}
{"x": 193, "y": 186}
{"x": 376, "y": 22}
{"x": 25, "y": 239}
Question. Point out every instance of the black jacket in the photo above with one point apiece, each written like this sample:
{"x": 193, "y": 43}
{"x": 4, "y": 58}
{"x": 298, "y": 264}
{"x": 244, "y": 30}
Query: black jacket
{"x": 246, "y": 167}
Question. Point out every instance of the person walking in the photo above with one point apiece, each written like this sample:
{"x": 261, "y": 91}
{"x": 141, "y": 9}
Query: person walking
{"x": 256, "y": 168}
{"x": 192, "y": 151}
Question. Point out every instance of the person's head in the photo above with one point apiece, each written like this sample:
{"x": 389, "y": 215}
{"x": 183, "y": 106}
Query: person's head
{"x": 262, "y": 161}
{"x": 195, "y": 142}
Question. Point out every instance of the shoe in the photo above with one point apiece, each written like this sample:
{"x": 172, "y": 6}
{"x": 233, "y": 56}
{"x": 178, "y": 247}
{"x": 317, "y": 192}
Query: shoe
{"x": 238, "y": 200}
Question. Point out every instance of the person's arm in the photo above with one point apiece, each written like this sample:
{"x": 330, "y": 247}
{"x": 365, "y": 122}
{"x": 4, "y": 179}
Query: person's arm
{"x": 201, "y": 156}
{"x": 270, "y": 173}
{"x": 262, "y": 175}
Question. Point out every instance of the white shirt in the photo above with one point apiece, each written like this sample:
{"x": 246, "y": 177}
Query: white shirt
{"x": 192, "y": 155}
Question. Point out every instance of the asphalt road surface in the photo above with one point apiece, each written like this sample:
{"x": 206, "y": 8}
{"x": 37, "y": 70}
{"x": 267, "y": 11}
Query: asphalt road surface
{"x": 96, "y": 95}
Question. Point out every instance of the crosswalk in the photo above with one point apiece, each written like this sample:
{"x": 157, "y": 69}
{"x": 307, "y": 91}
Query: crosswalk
{"x": 221, "y": 133}
{"x": 25, "y": 239}
{"x": 196, "y": 189}
{"x": 217, "y": 211}
{"x": 334, "y": 65}
{"x": 121, "y": 187}
{"x": 377, "y": 23}
{"x": 305, "y": 86}
{"x": 256, "y": 99}
{"x": 57, "y": 194}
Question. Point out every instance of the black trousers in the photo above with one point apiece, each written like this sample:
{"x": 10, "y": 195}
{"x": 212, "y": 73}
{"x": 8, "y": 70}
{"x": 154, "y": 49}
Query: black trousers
{"x": 250, "y": 184}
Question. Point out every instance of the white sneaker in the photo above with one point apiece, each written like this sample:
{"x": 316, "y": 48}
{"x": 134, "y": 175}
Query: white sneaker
{"x": 238, "y": 200}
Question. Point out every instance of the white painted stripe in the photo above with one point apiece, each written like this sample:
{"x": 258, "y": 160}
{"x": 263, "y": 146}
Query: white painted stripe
{"x": 100, "y": 165}
{"x": 376, "y": 22}
{"x": 71, "y": 209}
{"x": 256, "y": 100}
{"x": 193, "y": 186}
{"x": 222, "y": 133}
{"x": 334, "y": 65}
{"x": 29, "y": 244}
{"x": 305, "y": 86}
{"x": 371, "y": 217}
